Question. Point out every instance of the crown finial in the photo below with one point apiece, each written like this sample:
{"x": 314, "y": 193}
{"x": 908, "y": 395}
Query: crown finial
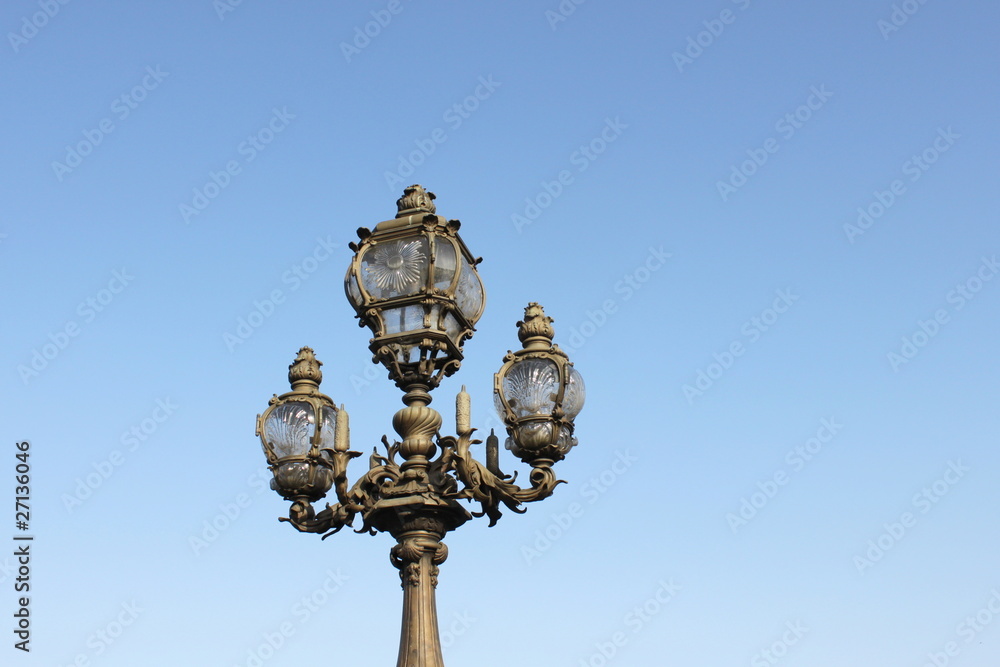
{"x": 536, "y": 323}
{"x": 305, "y": 369}
{"x": 414, "y": 200}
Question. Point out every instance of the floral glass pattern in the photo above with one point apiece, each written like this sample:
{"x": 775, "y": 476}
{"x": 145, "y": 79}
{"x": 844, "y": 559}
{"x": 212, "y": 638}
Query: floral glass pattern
{"x": 395, "y": 268}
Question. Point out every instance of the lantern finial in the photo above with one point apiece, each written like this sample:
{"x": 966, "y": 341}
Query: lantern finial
{"x": 536, "y": 323}
{"x": 414, "y": 200}
{"x": 304, "y": 371}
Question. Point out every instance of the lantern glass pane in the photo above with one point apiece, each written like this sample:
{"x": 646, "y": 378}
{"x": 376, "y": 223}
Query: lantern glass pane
{"x": 288, "y": 429}
{"x": 402, "y": 319}
{"x": 395, "y": 268}
{"x": 566, "y": 441}
{"x": 574, "y": 395}
{"x": 353, "y": 292}
{"x": 534, "y": 435}
{"x": 408, "y": 354}
{"x": 469, "y": 293}
{"x": 327, "y": 428}
{"x": 445, "y": 263}
{"x": 292, "y": 475}
{"x": 451, "y": 327}
{"x": 498, "y": 405}
{"x": 531, "y": 387}
{"x": 443, "y": 319}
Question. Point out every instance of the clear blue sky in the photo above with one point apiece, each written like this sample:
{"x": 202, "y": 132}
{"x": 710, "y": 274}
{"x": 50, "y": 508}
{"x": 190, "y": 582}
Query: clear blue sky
{"x": 767, "y": 233}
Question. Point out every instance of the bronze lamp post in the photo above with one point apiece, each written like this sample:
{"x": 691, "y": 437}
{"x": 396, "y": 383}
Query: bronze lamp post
{"x": 414, "y": 283}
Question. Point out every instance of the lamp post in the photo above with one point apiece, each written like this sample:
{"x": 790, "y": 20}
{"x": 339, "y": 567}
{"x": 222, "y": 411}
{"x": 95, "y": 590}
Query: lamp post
{"x": 414, "y": 283}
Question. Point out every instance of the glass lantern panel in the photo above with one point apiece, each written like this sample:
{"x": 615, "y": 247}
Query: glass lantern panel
{"x": 353, "y": 292}
{"x": 408, "y": 354}
{"x": 574, "y": 395}
{"x": 445, "y": 264}
{"x": 498, "y": 406}
{"x": 292, "y": 476}
{"x": 395, "y": 268}
{"x": 288, "y": 429}
{"x": 328, "y": 428}
{"x": 566, "y": 441}
{"x": 531, "y": 387}
{"x": 443, "y": 319}
{"x": 451, "y": 327}
{"x": 469, "y": 293}
{"x": 405, "y": 318}
{"x": 535, "y": 435}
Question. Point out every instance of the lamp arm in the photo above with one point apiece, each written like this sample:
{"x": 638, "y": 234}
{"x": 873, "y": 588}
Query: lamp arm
{"x": 304, "y": 518}
{"x": 489, "y": 489}
{"x": 340, "y": 461}
{"x": 381, "y": 471}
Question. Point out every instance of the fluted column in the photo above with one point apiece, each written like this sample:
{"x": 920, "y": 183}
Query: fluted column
{"x": 417, "y": 556}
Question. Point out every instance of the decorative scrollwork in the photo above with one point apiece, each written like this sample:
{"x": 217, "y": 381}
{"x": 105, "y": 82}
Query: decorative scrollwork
{"x": 382, "y": 475}
{"x": 491, "y": 490}
{"x": 453, "y": 475}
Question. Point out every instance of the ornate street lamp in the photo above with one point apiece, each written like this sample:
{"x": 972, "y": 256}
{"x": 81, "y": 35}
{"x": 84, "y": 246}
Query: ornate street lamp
{"x": 305, "y": 438}
{"x": 538, "y": 393}
{"x": 414, "y": 283}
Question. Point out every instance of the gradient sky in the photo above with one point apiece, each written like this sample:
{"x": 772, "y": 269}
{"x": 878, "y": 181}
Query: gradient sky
{"x": 767, "y": 233}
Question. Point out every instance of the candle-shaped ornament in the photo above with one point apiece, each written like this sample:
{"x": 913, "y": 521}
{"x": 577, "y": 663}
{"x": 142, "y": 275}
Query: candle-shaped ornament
{"x": 493, "y": 454}
{"x": 463, "y": 412}
{"x": 342, "y": 431}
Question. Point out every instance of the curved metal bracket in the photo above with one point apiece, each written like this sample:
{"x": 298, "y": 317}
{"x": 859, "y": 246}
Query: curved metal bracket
{"x": 489, "y": 489}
